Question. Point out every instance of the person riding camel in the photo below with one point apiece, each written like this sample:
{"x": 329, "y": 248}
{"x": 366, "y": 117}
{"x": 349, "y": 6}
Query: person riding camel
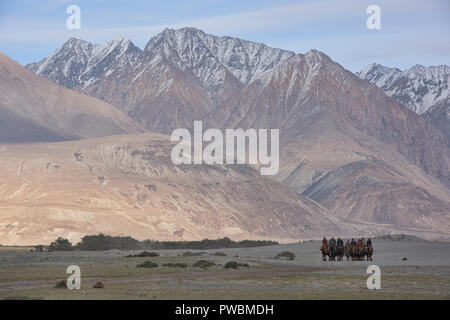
{"x": 359, "y": 243}
{"x": 332, "y": 242}
{"x": 369, "y": 242}
{"x": 340, "y": 242}
{"x": 353, "y": 242}
{"x": 324, "y": 241}
{"x": 347, "y": 244}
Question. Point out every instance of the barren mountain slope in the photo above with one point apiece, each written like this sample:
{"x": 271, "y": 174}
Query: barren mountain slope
{"x": 439, "y": 115}
{"x": 33, "y": 108}
{"x": 127, "y": 185}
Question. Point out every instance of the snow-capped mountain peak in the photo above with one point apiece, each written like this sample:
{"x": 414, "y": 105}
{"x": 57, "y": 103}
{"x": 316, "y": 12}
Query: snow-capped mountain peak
{"x": 424, "y": 90}
{"x": 206, "y": 54}
{"x": 379, "y": 75}
{"x": 79, "y": 62}
{"x": 211, "y": 58}
{"x": 417, "y": 88}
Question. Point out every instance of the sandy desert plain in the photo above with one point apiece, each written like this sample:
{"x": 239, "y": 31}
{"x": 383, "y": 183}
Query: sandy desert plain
{"x": 424, "y": 275}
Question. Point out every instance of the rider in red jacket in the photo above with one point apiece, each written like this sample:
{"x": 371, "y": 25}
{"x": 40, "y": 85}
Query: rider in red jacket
{"x": 324, "y": 241}
{"x": 359, "y": 244}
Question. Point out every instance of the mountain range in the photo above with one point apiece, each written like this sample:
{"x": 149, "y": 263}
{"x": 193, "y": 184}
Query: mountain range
{"x": 179, "y": 77}
{"x": 353, "y": 159}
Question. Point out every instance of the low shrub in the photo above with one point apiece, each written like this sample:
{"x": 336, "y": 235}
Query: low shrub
{"x": 286, "y": 254}
{"x": 144, "y": 254}
{"x": 175, "y": 265}
{"x": 203, "y": 264}
{"x": 235, "y": 265}
{"x": 231, "y": 265}
{"x": 147, "y": 264}
{"x": 61, "y": 284}
{"x": 192, "y": 254}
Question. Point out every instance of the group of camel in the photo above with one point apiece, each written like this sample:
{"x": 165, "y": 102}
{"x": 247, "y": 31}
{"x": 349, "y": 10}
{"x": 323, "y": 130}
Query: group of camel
{"x": 353, "y": 252}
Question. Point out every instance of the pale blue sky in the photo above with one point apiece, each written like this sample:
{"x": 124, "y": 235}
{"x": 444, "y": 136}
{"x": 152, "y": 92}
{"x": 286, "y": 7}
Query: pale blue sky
{"x": 412, "y": 32}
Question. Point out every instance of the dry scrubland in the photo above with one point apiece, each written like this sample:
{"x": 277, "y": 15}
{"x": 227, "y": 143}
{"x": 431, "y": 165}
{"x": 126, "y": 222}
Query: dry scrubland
{"x": 425, "y": 274}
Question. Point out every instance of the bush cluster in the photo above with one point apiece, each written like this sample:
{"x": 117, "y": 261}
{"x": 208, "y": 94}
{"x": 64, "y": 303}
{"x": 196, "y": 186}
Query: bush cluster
{"x": 235, "y": 265}
{"x": 144, "y": 254}
{"x": 147, "y": 264}
{"x": 102, "y": 242}
{"x": 203, "y": 264}
{"x": 286, "y": 254}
